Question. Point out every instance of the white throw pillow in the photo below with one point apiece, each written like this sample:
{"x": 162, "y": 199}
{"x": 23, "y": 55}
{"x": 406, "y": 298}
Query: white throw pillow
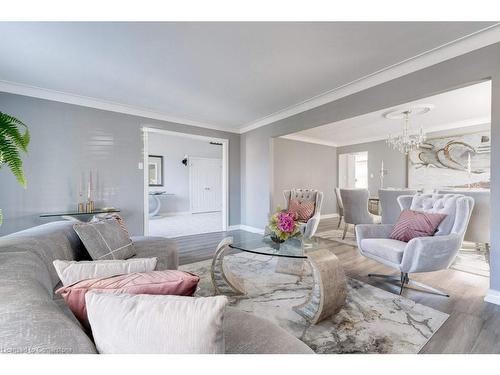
{"x": 142, "y": 323}
{"x": 71, "y": 272}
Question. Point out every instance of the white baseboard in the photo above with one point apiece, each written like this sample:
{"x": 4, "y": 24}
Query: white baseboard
{"x": 329, "y": 216}
{"x": 493, "y": 296}
{"x": 246, "y": 228}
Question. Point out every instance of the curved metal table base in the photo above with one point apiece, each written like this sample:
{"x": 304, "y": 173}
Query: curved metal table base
{"x": 224, "y": 283}
{"x": 329, "y": 290}
{"x": 328, "y": 293}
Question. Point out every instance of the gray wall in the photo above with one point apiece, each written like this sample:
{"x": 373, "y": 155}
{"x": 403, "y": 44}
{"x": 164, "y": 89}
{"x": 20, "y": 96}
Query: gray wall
{"x": 68, "y": 140}
{"x": 460, "y": 71}
{"x": 304, "y": 165}
{"x": 176, "y": 174}
{"x": 394, "y": 163}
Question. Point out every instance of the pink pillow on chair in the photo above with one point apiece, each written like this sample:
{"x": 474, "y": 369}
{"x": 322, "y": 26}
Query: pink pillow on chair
{"x": 168, "y": 282}
{"x": 412, "y": 224}
{"x": 303, "y": 210}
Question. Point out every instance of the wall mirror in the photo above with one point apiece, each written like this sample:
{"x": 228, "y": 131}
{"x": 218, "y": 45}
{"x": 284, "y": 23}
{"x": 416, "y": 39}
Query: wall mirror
{"x": 155, "y": 170}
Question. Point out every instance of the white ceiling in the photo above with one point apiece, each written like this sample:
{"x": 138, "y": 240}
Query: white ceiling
{"x": 467, "y": 106}
{"x": 220, "y": 75}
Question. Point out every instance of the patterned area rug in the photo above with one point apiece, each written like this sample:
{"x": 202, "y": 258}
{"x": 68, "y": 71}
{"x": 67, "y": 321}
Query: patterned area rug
{"x": 372, "y": 321}
{"x": 468, "y": 258}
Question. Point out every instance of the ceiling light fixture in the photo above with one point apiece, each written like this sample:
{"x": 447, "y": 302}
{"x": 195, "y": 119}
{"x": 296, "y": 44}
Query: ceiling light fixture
{"x": 409, "y": 139}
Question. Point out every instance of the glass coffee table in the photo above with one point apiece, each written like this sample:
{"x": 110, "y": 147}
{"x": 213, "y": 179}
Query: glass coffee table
{"x": 328, "y": 292}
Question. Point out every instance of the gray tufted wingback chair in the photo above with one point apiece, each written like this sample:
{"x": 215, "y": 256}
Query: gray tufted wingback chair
{"x": 302, "y": 195}
{"x": 422, "y": 254}
{"x": 355, "y": 202}
{"x": 389, "y": 205}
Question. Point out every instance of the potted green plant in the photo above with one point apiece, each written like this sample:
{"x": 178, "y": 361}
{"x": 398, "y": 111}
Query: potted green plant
{"x": 14, "y": 140}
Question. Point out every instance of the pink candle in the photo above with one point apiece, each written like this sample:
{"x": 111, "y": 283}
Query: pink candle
{"x": 90, "y": 184}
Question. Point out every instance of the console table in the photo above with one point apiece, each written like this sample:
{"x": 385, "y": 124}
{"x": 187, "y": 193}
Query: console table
{"x": 75, "y": 215}
{"x": 155, "y": 195}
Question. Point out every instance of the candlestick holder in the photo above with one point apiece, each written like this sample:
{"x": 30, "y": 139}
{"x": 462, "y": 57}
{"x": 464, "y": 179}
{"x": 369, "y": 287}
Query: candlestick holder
{"x": 90, "y": 206}
{"x": 81, "y": 207}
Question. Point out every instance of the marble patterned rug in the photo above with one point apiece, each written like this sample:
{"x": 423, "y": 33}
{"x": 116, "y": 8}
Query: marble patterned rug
{"x": 372, "y": 321}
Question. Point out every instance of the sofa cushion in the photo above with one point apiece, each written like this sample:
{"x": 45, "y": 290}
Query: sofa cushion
{"x": 164, "y": 249}
{"x": 105, "y": 240}
{"x": 123, "y": 323}
{"x": 76, "y": 249}
{"x": 70, "y": 271}
{"x": 39, "y": 326}
{"x": 30, "y": 321}
{"x": 167, "y": 282}
{"x": 48, "y": 246}
{"x": 25, "y": 268}
{"x": 385, "y": 248}
{"x": 245, "y": 333}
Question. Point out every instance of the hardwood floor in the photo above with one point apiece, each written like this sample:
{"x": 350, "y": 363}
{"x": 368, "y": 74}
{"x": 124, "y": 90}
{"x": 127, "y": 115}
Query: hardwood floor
{"x": 473, "y": 325}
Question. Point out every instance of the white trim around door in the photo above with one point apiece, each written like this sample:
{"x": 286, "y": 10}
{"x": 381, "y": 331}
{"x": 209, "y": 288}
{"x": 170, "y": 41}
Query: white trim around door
{"x": 225, "y": 170}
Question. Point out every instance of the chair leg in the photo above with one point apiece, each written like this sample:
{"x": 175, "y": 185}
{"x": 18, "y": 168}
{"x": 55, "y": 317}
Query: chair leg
{"x": 340, "y": 221}
{"x": 405, "y": 280}
{"x": 345, "y": 230}
{"x": 428, "y": 288}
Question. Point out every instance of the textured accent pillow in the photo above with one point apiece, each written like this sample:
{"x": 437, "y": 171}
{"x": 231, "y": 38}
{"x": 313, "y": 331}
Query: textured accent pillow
{"x": 412, "y": 224}
{"x": 71, "y": 272}
{"x": 303, "y": 210}
{"x": 111, "y": 216}
{"x": 105, "y": 240}
{"x": 156, "y": 282}
{"x": 145, "y": 324}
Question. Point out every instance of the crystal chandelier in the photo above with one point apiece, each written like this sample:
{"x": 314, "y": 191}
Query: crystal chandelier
{"x": 408, "y": 140}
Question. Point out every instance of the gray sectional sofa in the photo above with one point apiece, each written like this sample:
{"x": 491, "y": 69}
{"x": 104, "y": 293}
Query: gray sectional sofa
{"x": 34, "y": 320}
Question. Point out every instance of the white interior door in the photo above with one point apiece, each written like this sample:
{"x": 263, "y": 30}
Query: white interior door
{"x": 347, "y": 174}
{"x": 205, "y": 184}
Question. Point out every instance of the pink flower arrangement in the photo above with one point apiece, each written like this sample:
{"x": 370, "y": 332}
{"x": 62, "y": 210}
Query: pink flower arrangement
{"x": 286, "y": 222}
{"x": 283, "y": 225}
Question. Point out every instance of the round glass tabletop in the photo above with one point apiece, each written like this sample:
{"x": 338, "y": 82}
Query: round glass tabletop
{"x": 296, "y": 247}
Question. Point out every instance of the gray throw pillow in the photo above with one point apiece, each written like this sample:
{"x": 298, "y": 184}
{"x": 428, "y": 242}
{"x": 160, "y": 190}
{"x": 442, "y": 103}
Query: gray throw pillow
{"x": 105, "y": 240}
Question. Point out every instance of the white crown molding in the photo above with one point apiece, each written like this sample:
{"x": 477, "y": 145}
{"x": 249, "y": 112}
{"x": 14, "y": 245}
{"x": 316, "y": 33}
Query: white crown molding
{"x": 306, "y": 139}
{"x": 446, "y": 126}
{"x": 468, "y": 43}
{"x": 492, "y": 296}
{"x": 85, "y": 101}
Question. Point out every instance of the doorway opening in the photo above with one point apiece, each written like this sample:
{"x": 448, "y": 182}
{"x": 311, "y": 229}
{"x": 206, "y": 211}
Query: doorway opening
{"x": 185, "y": 183}
{"x": 353, "y": 170}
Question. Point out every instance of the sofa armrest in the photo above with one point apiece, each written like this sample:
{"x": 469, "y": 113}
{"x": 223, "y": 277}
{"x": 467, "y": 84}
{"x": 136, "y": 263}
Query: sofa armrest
{"x": 426, "y": 254}
{"x": 162, "y": 248}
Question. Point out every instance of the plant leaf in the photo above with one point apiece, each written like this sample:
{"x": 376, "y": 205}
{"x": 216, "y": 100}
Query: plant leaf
{"x": 12, "y": 142}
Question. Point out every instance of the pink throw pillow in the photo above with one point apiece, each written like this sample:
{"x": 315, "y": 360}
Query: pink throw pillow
{"x": 168, "y": 282}
{"x": 303, "y": 210}
{"x": 412, "y": 224}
